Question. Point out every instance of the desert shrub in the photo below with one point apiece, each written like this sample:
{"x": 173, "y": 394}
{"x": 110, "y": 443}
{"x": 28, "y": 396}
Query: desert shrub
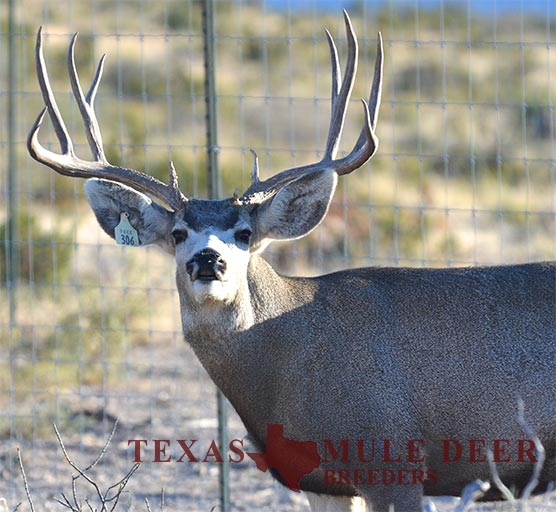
{"x": 41, "y": 256}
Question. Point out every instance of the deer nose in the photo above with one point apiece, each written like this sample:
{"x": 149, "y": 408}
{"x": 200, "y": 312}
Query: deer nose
{"x": 206, "y": 265}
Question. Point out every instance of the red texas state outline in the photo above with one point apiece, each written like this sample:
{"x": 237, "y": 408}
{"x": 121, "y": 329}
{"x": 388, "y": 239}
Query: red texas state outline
{"x": 291, "y": 459}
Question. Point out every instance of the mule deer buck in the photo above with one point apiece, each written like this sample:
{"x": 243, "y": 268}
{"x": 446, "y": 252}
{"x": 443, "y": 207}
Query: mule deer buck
{"x": 386, "y": 370}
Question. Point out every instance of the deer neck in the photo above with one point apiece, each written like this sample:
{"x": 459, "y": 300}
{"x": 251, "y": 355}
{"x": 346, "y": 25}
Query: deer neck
{"x": 264, "y": 295}
{"x": 236, "y": 342}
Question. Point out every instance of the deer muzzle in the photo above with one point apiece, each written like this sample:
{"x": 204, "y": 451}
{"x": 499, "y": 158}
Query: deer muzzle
{"x": 206, "y": 265}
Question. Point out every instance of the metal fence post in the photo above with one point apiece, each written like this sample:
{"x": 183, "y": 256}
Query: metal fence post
{"x": 11, "y": 225}
{"x": 214, "y": 192}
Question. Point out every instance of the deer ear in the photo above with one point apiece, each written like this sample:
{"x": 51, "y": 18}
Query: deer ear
{"x": 297, "y": 208}
{"x": 109, "y": 200}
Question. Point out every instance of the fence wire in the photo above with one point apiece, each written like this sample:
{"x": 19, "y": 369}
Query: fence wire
{"x": 465, "y": 175}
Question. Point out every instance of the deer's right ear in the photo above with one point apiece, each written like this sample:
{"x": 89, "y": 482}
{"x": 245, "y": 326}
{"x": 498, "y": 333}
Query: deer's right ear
{"x": 152, "y": 222}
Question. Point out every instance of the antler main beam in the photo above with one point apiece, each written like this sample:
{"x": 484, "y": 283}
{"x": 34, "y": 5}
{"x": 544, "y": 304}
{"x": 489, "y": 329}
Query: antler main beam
{"x": 67, "y": 163}
{"x": 366, "y": 144}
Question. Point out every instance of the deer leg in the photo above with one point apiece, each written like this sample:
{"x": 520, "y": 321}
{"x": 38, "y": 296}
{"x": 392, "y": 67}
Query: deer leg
{"x": 325, "y": 503}
{"x": 395, "y": 498}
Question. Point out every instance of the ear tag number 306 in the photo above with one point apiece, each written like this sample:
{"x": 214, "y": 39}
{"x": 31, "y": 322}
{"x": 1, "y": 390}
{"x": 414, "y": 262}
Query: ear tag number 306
{"x": 124, "y": 232}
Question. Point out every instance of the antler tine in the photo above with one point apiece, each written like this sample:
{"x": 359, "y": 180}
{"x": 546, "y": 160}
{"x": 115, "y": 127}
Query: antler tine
{"x": 67, "y": 163}
{"x": 49, "y": 99}
{"x": 340, "y": 94}
{"x": 376, "y": 89}
{"x": 173, "y": 178}
{"x": 366, "y": 144}
{"x": 86, "y": 105}
{"x": 255, "y": 168}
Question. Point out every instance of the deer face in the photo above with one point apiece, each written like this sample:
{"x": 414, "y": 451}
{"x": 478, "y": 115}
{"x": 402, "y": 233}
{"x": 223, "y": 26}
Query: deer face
{"x": 213, "y": 240}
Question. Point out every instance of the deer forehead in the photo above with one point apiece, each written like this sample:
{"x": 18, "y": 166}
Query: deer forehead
{"x": 215, "y": 216}
{"x": 212, "y": 225}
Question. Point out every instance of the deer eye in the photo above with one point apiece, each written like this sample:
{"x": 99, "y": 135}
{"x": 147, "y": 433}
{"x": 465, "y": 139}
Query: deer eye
{"x": 243, "y": 236}
{"x": 179, "y": 236}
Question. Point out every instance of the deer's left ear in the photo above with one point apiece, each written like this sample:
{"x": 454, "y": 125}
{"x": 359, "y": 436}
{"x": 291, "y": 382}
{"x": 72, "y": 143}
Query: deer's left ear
{"x": 152, "y": 222}
{"x": 297, "y": 208}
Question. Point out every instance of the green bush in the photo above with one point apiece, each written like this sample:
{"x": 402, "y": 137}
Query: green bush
{"x": 42, "y": 256}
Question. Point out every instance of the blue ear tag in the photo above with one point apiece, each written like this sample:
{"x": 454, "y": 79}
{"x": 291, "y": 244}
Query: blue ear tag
{"x": 124, "y": 232}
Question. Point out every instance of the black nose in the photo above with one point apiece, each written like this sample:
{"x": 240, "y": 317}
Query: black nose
{"x": 206, "y": 265}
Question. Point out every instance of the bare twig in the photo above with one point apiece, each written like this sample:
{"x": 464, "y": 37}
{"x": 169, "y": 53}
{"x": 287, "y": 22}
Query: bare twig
{"x": 25, "y": 484}
{"x": 496, "y": 479}
{"x": 74, "y": 491}
{"x": 540, "y": 456}
{"x": 539, "y": 449}
{"x": 547, "y": 493}
{"x": 121, "y": 486}
{"x": 4, "y": 505}
{"x": 104, "y": 448}
{"x": 428, "y": 506}
{"x": 74, "y": 466}
{"x": 111, "y": 496}
{"x": 66, "y": 503}
{"x": 147, "y": 503}
{"x": 471, "y": 493}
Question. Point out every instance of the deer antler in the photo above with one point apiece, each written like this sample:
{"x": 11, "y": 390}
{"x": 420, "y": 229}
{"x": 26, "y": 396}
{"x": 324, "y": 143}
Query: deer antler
{"x": 366, "y": 144}
{"x": 67, "y": 163}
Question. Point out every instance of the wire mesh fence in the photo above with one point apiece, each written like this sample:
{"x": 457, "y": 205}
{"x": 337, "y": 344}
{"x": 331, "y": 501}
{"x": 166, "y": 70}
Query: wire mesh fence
{"x": 465, "y": 175}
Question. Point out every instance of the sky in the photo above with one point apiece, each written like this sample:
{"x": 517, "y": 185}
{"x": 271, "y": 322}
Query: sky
{"x": 480, "y": 6}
